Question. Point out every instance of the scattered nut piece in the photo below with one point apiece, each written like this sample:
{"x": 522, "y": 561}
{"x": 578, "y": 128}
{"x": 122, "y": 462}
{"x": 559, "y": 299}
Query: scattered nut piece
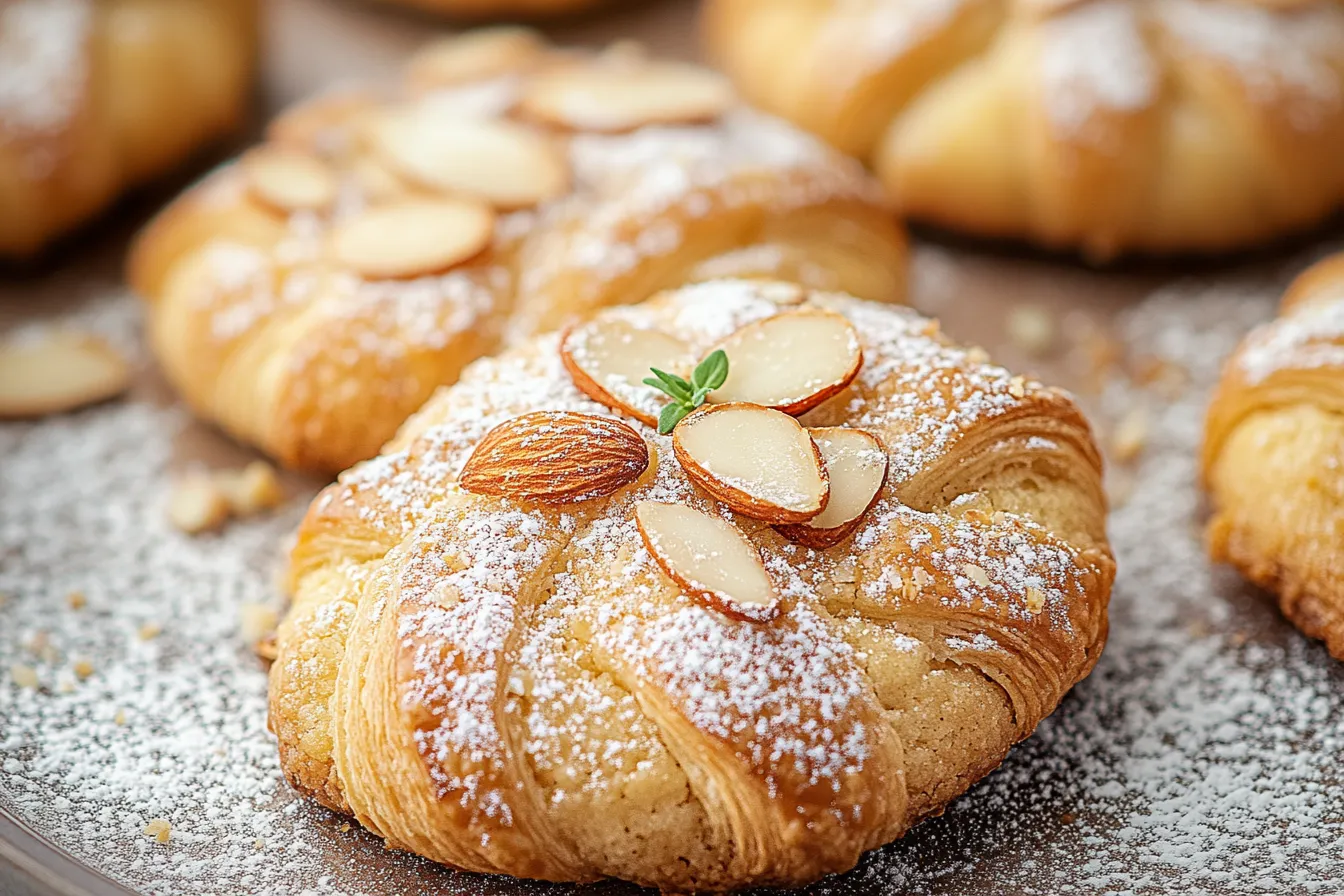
{"x": 58, "y": 372}
{"x": 1017, "y": 387}
{"x": 83, "y": 669}
{"x": 120, "y": 717}
{"x": 289, "y": 180}
{"x": 257, "y": 623}
{"x": 1130, "y": 435}
{"x": 65, "y": 686}
{"x": 556, "y": 457}
{"x": 503, "y": 163}
{"x": 856, "y": 465}
{"x": 792, "y": 361}
{"x": 709, "y": 558}
{"x": 149, "y": 631}
{"x": 25, "y": 676}
{"x": 412, "y": 237}
{"x": 76, "y": 600}
{"x": 976, "y": 574}
{"x": 197, "y": 504}
{"x": 159, "y": 829}
{"x": 625, "y": 95}
{"x": 1032, "y": 329}
{"x": 254, "y": 488}
{"x": 1035, "y": 600}
{"x": 608, "y": 360}
{"x": 758, "y": 461}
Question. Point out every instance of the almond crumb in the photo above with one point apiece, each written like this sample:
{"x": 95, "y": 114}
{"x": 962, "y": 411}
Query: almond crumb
{"x": 65, "y": 686}
{"x": 1032, "y": 329}
{"x": 975, "y": 574}
{"x": 25, "y": 676}
{"x": 197, "y": 504}
{"x": 1130, "y": 435}
{"x": 83, "y": 669}
{"x": 252, "y": 489}
{"x": 256, "y": 621}
{"x": 76, "y": 600}
{"x": 159, "y": 829}
{"x": 149, "y": 631}
{"x": 1035, "y": 600}
{"x": 1017, "y": 387}
{"x": 344, "y": 828}
{"x": 920, "y": 576}
{"x": 258, "y": 844}
{"x": 120, "y": 717}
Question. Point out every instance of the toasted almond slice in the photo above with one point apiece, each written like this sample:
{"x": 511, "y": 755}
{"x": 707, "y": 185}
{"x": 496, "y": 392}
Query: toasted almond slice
{"x": 709, "y": 558}
{"x": 506, "y": 164}
{"x": 609, "y": 359}
{"x": 289, "y": 180}
{"x": 58, "y": 372}
{"x": 316, "y": 124}
{"x": 615, "y": 98}
{"x": 556, "y": 457}
{"x": 856, "y": 465}
{"x": 758, "y": 461}
{"x": 413, "y": 237}
{"x": 792, "y": 361}
{"x": 476, "y": 55}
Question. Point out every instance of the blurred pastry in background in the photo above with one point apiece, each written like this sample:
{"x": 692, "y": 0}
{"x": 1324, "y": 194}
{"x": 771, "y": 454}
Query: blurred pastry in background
{"x": 1274, "y": 456}
{"x": 99, "y": 95}
{"x": 1105, "y": 126}
{"x": 311, "y": 296}
{"x": 497, "y": 9}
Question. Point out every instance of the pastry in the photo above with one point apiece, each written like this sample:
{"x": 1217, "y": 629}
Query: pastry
{"x": 1107, "y": 126}
{"x": 495, "y": 9}
{"x": 536, "y": 637}
{"x": 1274, "y": 456}
{"x": 99, "y": 95}
{"x": 310, "y": 297}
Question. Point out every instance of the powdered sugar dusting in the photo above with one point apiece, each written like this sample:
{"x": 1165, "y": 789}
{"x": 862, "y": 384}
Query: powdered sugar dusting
{"x": 1308, "y": 336}
{"x": 43, "y": 62}
{"x": 1094, "y": 60}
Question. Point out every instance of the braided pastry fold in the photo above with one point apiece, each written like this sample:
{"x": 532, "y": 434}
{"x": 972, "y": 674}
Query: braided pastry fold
{"x": 1273, "y": 458}
{"x": 312, "y": 296}
{"x": 1103, "y": 125}
{"x": 99, "y": 95}
{"x": 514, "y": 686}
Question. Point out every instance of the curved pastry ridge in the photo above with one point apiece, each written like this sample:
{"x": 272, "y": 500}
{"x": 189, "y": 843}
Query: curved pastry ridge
{"x": 1271, "y": 457}
{"x": 661, "y": 683}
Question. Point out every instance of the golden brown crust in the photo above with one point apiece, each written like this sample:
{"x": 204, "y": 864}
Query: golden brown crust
{"x": 518, "y": 687}
{"x": 1103, "y": 125}
{"x": 318, "y": 355}
{"x": 104, "y": 94}
{"x": 1272, "y": 457}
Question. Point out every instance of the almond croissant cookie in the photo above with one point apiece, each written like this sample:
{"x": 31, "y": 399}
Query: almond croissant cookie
{"x": 99, "y": 95}
{"x": 1274, "y": 456}
{"x": 479, "y": 9}
{"x": 537, "y": 637}
{"x": 1104, "y": 125}
{"x": 312, "y": 296}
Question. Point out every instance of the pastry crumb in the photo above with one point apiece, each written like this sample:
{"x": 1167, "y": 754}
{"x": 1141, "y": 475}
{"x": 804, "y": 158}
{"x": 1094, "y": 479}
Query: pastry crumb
{"x": 1035, "y": 600}
{"x": 159, "y": 829}
{"x": 83, "y": 669}
{"x": 1130, "y": 435}
{"x": 1032, "y": 329}
{"x": 76, "y": 600}
{"x": 149, "y": 631}
{"x": 120, "y": 717}
{"x": 197, "y": 504}
{"x": 252, "y": 489}
{"x": 25, "y": 676}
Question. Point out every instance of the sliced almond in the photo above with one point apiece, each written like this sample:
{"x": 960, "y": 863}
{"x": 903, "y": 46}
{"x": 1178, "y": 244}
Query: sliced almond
{"x": 506, "y": 164}
{"x": 609, "y": 359}
{"x": 856, "y": 465}
{"x": 758, "y": 461}
{"x": 317, "y": 124}
{"x": 792, "y": 361}
{"x": 615, "y": 98}
{"x": 476, "y": 55}
{"x": 413, "y": 237}
{"x": 289, "y": 180}
{"x": 709, "y": 558}
{"x": 556, "y": 457}
{"x": 197, "y": 503}
{"x": 58, "y": 372}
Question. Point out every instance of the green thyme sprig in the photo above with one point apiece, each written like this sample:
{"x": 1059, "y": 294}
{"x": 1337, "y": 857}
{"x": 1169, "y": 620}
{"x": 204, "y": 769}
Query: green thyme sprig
{"x": 708, "y": 375}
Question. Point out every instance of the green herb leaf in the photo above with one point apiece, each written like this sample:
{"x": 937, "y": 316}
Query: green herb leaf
{"x": 700, "y": 395}
{"x": 711, "y": 372}
{"x": 672, "y": 415}
{"x": 670, "y": 384}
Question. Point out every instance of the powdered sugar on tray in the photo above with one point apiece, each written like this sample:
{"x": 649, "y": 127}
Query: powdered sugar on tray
{"x": 1200, "y": 757}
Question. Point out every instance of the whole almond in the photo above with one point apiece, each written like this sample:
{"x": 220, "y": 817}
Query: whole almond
{"x": 555, "y": 457}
